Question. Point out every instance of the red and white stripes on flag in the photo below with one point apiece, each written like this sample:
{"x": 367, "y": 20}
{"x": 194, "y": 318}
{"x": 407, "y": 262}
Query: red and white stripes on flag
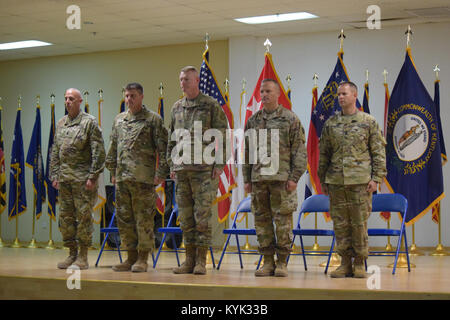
{"x": 101, "y": 193}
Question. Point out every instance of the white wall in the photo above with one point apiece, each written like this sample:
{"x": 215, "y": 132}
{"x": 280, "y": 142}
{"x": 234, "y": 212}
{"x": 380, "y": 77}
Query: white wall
{"x": 303, "y": 55}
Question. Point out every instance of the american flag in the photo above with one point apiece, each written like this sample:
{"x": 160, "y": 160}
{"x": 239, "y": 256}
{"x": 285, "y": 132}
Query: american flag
{"x": 208, "y": 85}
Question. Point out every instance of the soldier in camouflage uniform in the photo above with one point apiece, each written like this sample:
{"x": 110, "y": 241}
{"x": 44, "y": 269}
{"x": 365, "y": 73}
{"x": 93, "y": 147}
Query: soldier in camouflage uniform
{"x": 352, "y": 162}
{"x": 77, "y": 159}
{"x": 274, "y": 194}
{"x": 138, "y": 139}
{"x": 197, "y": 179}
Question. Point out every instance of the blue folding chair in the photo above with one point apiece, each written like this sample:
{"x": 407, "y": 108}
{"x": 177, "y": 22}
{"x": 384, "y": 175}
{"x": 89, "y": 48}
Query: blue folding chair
{"x": 314, "y": 203}
{"x": 244, "y": 206}
{"x": 392, "y": 202}
{"x": 171, "y": 228}
{"x": 111, "y": 229}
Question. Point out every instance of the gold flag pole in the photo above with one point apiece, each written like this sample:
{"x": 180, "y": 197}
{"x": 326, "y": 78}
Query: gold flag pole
{"x": 51, "y": 244}
{"x": 16, "y": 243}
{"x": 439, "y": 250}
{"x": 413, "y": 250}
{"x": 33, "y": 244}
{"x": 388, "y": 246}
{"x": 288, "y": 80}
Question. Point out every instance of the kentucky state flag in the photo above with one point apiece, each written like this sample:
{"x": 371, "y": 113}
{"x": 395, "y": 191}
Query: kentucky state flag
{"x": 413, "y": 150}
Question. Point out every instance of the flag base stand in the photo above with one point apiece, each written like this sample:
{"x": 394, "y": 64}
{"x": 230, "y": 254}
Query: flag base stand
{"x": 335, "y": 261}
{"x": 414, "y": 251}
{"x": 33, "y": 244}
{"x": 16, "y": 244}
{"x": 315, "y": 247}
{"x": 402, "y": 262}
{"x": 295, "y": 249}
{"x": 440, "y": 251}
{"x": 50, "y": 245}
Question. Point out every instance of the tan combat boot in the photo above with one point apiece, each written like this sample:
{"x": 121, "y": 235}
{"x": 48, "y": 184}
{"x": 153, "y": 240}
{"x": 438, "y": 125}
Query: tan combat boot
{"x": 281, "y": 267}
{"x": 268, "y": 268}
{"x": 189, "y": 264}
{"x": 73, "y": 253}
{"x": 82, "y": 259}
{"x": 141, "y": 264}
{"x": 200, "y": 261}
{"x": 359, "y": 270}
{"x": 127, "y": 264}
{"x": 344, "y": 270}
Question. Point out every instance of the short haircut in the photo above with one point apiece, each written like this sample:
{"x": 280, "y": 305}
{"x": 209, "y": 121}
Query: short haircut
{"x": 135, "y": 86}
{"x": 189, "y": 68}
{"x": 350, "y": 84}
{"x": 271, "y": 80}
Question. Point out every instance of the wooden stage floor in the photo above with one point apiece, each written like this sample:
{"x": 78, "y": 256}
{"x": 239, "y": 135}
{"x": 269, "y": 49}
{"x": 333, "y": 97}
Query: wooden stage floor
{"x": 32, "y": 274}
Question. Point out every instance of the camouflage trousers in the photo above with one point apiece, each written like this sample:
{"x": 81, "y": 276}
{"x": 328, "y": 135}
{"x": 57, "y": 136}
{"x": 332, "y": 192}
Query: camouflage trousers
{"x": 195, "y": 192}
{"x": 271, "y": 203}
{"x": 75, "y": 213}
{"x": 350, "y": 207}
{"x": 135, "y": 203}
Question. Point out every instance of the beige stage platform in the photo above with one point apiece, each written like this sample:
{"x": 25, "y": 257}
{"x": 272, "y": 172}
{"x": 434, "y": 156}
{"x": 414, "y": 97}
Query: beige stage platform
{"x": 32, "y": 274}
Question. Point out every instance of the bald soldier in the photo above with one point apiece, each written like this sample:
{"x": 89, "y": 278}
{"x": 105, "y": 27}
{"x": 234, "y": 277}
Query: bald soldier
{"x": 352, "y": 162}
{"x": 273, "y": 185}
{"x": 196, "y": 176}
{"x": 77, "y": 159}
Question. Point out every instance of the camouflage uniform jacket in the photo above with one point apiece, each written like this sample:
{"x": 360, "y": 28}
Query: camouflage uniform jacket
{"x": 136, "y": 142}
{"x": 78, "y": 152}
{"x": 208, "y": 113}
{"x": 291, "y": 153}
{"x": 352, "y": 150}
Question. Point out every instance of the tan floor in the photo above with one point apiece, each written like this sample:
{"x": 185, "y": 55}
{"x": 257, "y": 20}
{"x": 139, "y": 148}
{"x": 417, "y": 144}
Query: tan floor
{"x": 32, "y": 274}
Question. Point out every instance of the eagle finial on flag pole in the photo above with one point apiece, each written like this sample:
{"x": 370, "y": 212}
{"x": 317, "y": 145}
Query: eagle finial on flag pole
{"x": 341, "y": 37}
{"x": 436, "y": 69}
{"x": 207, "y": 38}
{"x": 267, "y": 44}
{"x": 161, "y": 88}
{"x": 385, "y": 73}
{"x": 367, "y": 76}
{"x": 408, "y": 33}
{"x": 100, "y": 93}
{"x": 86, "y": 94}
{"x": 288, "y": 79}
{"x": 315, "y": 78}
{"x": 19, "y": 102}
{"x": 227, "y": 85}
